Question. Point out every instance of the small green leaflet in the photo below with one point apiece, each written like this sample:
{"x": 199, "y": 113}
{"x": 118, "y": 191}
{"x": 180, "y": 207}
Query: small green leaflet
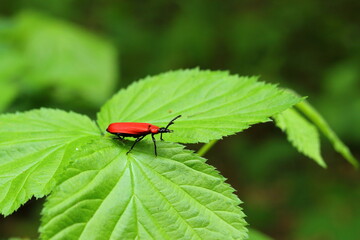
{"x": 301, "y": 133}
{"x": 34, "y": 148}
{"x": 213, "y": 104}
{"x": 324, "y": 127}
{"x": 107, "y": 194}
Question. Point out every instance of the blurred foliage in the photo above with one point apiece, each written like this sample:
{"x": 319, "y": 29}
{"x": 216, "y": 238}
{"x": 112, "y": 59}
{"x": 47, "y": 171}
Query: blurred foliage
{"x": 309, "y": 46}
{"x": 334, "y": 219}
{"x": 44, "y": 58}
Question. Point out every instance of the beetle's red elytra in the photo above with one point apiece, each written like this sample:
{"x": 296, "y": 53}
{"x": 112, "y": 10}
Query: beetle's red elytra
{"x": 138, "y": 130}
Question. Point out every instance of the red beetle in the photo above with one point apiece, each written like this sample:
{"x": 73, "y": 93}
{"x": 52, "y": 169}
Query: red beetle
{"x": 138, "y": 131}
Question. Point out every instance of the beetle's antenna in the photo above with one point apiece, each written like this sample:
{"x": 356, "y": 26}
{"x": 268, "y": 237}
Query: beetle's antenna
{"x": 172, "y": 122}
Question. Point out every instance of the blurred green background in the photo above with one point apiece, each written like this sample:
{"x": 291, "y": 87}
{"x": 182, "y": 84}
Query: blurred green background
{"x": 74, "y": 55}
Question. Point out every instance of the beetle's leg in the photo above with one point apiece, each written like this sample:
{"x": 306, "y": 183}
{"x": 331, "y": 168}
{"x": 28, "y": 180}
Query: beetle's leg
{"x": 120, "y": 137}
{"x": 161, "y": 137}
{"x": 136, "y": 141}
{"x": 153, "y": 138}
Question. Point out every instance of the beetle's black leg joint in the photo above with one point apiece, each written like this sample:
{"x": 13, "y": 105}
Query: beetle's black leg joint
{"x": 136, "y": 141}
{"x": 153, "y": 138}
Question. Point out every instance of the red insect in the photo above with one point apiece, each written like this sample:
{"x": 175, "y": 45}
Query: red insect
{"x": 138, "y": 131}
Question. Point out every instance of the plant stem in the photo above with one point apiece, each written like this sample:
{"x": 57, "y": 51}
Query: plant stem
{"x": 206, "y": 147}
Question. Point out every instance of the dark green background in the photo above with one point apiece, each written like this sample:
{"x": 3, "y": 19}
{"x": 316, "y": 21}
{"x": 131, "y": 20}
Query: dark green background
{"x": 310, "y": 46}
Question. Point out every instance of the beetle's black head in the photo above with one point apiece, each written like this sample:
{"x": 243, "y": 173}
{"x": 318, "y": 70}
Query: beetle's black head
{"x": 165, "y": 130}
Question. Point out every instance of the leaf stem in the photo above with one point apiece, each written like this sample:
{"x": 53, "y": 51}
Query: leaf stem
{"x": 206, "y": 147}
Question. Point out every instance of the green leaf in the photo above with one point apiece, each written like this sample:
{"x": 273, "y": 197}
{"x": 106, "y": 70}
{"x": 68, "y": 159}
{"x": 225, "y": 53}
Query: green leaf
{"x": 256, "y": 235}
{"x": 213, "y": 104}
{"x": 108, "y": 194}
{"x": 301, "y": 133}
{"x": 323, "y": 126}
{"x": 34, "y": 148}
{"x": 73, "y": 63}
